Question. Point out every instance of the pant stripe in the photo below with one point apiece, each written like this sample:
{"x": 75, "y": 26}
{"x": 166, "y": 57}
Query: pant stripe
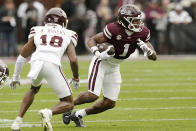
{"x": 65, "y": 79}
{"x": 95, "y": 75}
{"x": 90, "y": 78}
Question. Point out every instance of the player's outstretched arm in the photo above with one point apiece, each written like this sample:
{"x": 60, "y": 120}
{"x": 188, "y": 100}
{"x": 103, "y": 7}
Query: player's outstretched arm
{"x": 26, "y": 51}
{"x": 71, "y": 53}
{"x": 148, "y": 50}
{"x": 153, "y": 56}
{"x": 28, "y": 48}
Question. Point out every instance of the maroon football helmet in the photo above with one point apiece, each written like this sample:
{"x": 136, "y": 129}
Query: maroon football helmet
{"x": 56, "y": 15}
{"x": 4, "y": 73}
{"x": 130, "y": 17}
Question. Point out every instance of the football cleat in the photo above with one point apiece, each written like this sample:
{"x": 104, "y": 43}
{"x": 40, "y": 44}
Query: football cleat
{"x": 66, "y": 117}
{"x": 16, "y": 124}
{"x": 44, "y": 114}
{"x": 77, "y": 120}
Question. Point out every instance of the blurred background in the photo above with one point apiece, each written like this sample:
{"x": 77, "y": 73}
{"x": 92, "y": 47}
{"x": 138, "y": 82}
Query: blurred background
{"x": 171, "y": 22}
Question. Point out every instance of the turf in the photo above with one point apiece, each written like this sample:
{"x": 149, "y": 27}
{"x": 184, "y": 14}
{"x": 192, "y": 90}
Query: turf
{"x": 155, "y": 96}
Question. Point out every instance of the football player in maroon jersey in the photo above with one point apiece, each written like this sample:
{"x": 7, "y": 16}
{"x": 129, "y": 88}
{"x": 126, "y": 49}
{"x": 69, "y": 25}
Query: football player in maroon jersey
{"x": 125, "y": 35}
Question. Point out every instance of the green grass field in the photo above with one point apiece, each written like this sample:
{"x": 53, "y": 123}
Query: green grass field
{"x": 155, "y": 96}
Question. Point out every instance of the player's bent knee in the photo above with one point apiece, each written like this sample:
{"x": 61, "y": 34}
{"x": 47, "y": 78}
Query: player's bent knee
{"x": 68, "y": 102}
{"x": 35, "y": 89}
{"x": 92, "y": 96}
{"x": 69, "y": 105}
{"x": 109, "y": 103}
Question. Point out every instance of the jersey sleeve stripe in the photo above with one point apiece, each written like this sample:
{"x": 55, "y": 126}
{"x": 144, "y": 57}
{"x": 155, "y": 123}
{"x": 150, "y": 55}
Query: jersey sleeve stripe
{"x": 32, "y": 32}
{"x": 106, "y": 34}
{"x": 75, "y": 37}
{"x": 148, "y": 37}
{"x": 32, "y": 29}
{"x": 108, "y": 31}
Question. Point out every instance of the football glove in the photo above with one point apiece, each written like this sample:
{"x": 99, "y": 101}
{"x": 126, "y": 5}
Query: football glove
{"x": 15, "y": 82}
{"x": 76, "y": 83}
{"x": 147, "y": 51}
{"x": 104, "y": 55}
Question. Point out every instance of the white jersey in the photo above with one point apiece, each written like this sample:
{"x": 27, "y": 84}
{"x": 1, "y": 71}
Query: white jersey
{"x": 51, "y": 42}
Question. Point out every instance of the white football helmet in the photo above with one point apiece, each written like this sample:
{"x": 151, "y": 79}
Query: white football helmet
{"x": 4, "y": 73}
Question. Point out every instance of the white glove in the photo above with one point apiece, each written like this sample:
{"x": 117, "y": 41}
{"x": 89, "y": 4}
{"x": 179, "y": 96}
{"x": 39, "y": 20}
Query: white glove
{"x": 104, "y": 55}
{"x": 76, "y": 83}
{"x": 15, "y": 81}
{"x": 147, "y": 51}
{"x": 18, "y": 67}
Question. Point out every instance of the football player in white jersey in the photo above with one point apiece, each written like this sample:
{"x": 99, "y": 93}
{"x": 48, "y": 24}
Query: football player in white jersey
{"x": 126, "y": 34}
{"x": 47, "y": 44}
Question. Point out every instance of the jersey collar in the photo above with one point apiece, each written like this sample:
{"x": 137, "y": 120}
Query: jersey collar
{"x": 53, "y": 24}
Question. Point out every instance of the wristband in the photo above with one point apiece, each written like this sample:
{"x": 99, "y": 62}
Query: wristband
{"x": 93, "y": 49}
{"x": 97, "y": 53}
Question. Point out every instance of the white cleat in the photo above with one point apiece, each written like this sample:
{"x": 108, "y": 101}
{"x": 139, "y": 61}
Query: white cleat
{"x": 45, "y": 116}
{"x": 16, "y": 124}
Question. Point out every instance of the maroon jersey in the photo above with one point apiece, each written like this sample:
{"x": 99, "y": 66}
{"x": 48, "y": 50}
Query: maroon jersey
{"x": 125, "y": 42}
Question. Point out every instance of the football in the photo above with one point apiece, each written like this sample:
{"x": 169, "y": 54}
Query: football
{"x": 102, "y": 47}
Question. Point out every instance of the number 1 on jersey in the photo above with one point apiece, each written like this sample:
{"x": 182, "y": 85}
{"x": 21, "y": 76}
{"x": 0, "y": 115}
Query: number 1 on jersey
{"x": 56, "y": 41}
{"x": 126, "y": 49}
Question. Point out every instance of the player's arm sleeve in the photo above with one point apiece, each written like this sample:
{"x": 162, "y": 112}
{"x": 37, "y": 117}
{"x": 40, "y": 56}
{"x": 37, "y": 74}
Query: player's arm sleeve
{"x": 107, "y": 32}
{"x": 32, "y": 33}
{"x": 74, "y": 39}
{"x": 71, "y": 53}
{"x": 25, "y": 52}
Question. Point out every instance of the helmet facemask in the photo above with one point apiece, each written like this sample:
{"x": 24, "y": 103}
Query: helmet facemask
{"x": 135, "y": 24}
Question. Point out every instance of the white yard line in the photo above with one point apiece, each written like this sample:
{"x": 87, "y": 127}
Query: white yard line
{"x": 23, "y": 125}
{"x": 121, "y": 109}
{"x": 125, "y": 99}
{"x": 121, "y": 92}
{"x": 159, "y": 91}
{"x": 156, "y": 98}
{"x": 159, "y": 108}
{"x": 28, "y": 81}
{"x": 187, "y": 84}
{"x": 173, "y": 83}
{"x": 38, "y": 124}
